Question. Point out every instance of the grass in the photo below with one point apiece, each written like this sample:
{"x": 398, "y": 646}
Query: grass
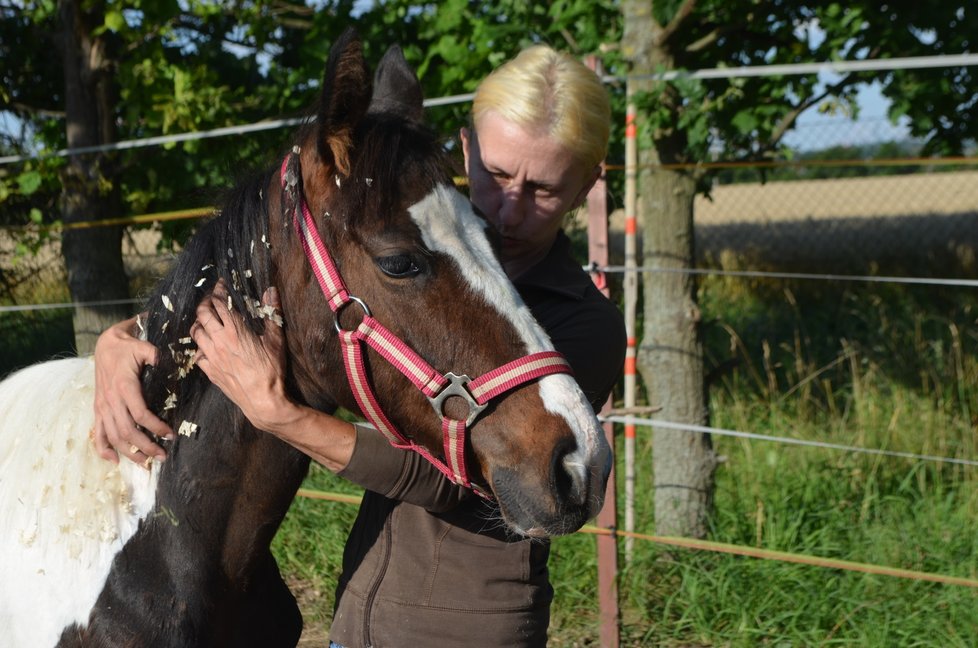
{"x": 871, "y": 366}
{"x": 33, "y": 336}
{"x": 877, "y": 366}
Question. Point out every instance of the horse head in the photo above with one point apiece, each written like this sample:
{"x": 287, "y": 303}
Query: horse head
{"x": 97, "y": 554}
{"x": 375, "y": 187}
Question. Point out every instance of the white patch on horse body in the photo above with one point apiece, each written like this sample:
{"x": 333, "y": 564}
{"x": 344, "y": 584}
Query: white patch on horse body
{"x": 449, "y": 225}
{"x": 65, "y": 512}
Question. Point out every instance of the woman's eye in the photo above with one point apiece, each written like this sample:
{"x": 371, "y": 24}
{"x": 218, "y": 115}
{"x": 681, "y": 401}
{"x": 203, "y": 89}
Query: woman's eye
{"x": 398, "y": 265}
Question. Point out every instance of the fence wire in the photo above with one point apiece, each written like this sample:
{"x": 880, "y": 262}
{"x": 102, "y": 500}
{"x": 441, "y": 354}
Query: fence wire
{"x": 848, "y": 215}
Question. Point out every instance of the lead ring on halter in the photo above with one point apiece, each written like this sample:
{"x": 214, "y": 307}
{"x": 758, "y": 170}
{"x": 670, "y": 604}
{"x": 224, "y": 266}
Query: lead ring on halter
{"x": 339, "y": 309}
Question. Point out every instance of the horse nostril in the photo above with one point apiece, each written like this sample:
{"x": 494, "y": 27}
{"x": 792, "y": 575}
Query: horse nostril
{"x": 568, "y": 475}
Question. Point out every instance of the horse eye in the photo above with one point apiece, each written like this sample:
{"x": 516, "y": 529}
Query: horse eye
{"x": 398, "y": 266}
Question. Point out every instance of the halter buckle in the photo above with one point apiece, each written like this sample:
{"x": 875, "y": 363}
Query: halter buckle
{"x": 457, "y": 387}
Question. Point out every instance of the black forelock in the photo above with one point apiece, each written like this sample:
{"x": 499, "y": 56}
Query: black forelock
{"x": 395, "y": 164}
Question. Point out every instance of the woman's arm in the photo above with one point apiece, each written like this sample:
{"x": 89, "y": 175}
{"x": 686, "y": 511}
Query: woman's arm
{"x": 252, "y": 375}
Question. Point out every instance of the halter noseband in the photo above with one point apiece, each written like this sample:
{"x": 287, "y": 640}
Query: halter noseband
{"x": 435, "y": 386}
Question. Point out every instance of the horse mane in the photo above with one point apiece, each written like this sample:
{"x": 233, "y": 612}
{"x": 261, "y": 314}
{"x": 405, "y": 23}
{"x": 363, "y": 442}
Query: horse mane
{"x": 234, "y": 246}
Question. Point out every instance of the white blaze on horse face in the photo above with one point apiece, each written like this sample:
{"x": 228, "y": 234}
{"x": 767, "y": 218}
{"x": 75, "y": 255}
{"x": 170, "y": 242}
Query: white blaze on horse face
{"x": 448, "y": 225}
{"x": 65, "y": 512}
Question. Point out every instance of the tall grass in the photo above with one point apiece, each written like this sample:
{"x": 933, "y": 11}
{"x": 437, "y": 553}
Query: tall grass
{"x": 32, "y": 336}
{"x": 875, "y": 366}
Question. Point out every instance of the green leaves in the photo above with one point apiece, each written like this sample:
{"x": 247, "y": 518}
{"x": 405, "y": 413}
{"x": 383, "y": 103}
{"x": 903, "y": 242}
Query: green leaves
{"x": 115, "y": 21}
{"x": 747, "y": 117}
{"x": 28, "y": 182}
{"x": 745, "y": 121}
{"x": 197, "y": 64}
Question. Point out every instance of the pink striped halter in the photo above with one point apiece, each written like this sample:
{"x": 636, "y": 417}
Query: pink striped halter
{"x": 435, "y": 386}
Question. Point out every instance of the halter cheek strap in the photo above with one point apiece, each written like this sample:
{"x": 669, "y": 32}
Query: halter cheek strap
{"x": 437, "y": 387}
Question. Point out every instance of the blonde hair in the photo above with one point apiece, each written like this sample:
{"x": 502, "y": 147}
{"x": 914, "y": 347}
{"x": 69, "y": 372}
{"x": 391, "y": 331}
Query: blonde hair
{"x": 545, "y": 91}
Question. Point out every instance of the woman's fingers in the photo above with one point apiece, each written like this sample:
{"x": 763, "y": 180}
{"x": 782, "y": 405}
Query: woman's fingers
{"x": 119, "y": 403}
{"x": 248, "y": 370}
{"x": 274, "y": 336}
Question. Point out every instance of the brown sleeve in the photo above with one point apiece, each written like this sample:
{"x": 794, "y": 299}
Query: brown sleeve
{"x": 399, "y": 474}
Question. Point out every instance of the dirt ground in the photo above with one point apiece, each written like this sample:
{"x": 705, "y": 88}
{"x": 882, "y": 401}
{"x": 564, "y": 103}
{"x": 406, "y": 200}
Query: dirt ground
{"x": 314, "y": 633}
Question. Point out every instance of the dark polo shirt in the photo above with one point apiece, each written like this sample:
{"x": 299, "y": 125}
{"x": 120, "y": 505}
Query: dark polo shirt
{"x": 583, "y": 325}
{"x": 425, "y": 563}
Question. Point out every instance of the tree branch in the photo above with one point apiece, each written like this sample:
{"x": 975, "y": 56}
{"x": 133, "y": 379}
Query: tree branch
{"x": 712, "y": 37}
{"x": 291, "y": 7}
{"x": 705, "y": 41}
{"x": 789, "y": 118}
{"x": 571, "y": 41}
{"x": 685, "y": 9}
{"x": 19, "y": 108}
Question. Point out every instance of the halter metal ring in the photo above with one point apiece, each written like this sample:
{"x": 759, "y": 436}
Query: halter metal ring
{"x": 336, "y": 313}
{"x": 457, "y": 387}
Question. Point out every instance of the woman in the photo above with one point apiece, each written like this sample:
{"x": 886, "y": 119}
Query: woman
{"x": 423, "y": 560}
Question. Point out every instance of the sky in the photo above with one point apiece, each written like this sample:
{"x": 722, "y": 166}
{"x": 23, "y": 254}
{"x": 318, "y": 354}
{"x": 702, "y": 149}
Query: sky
{"x": 817, "y": 130}
{"x": 872, "y": 124}
{"x": 814, "y": 130}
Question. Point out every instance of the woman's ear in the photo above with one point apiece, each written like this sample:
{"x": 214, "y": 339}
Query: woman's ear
{"x": 463, "y": 135}
{"x": 586, "y": 188}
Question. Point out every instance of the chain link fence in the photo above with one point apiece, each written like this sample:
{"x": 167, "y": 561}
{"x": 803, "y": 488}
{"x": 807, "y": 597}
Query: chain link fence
{"x": 848, "y": 201}
{"x": 32, "y": 268}
{"x": 923, "y": 223}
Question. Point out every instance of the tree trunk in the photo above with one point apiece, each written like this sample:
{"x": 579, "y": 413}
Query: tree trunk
{"x": 670, "y": 356}
{"x": 93, "y": 255}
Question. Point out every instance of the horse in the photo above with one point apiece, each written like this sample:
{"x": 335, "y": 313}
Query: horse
{"x": 97, "y": 554}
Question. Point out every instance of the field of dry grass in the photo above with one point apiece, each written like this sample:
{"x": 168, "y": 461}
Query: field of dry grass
{"x": 922, "y": 223}
{"x": 23, "y": 275}
{"x": 897, "y": 222}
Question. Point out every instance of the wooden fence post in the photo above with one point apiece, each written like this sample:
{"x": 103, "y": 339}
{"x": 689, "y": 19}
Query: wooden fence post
{"x": 607, "y": 519}
{"x": 630, "y": 289}
{"x": 597, "y": 205}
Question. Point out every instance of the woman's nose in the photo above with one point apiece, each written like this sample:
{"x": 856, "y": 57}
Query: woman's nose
{"x": 512, "y": 209}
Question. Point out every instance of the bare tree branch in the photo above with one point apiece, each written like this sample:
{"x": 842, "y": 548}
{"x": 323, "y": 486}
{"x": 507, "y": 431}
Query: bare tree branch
{"x": 571, "y": 41}
{"x": 685, "y": 9}
{"x": 789, "y": 118}
{"x": 20, "y": 108}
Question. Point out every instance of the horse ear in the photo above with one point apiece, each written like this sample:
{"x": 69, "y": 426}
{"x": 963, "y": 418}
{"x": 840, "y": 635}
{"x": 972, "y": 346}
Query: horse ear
{"x": 396, "y": 87}
{"x": 344, "y": 100}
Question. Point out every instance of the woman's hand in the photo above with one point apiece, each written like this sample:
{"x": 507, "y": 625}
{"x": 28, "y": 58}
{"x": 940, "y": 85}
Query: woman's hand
{"x": 250, "y": 373}
{"x": 119, "y": 404}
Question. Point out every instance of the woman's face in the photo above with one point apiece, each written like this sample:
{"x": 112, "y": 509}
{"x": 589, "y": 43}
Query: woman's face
{"x": 523, "y": 183}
